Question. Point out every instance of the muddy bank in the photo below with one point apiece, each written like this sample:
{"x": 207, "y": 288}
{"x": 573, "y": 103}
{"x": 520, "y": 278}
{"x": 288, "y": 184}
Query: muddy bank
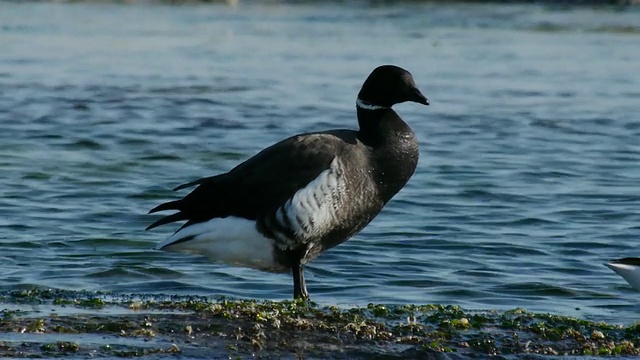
{"x": 47, "y": 323}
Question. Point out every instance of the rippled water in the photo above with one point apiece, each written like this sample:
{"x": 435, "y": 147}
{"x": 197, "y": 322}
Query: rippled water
{"x": 528, "y": 179}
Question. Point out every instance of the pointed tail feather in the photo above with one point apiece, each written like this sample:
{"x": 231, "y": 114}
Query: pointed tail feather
{"x": 197, "y": 182}
{"x": 171, "y": 205}
{"x": 187, "y": 185}
{"x": 168, "y": 219}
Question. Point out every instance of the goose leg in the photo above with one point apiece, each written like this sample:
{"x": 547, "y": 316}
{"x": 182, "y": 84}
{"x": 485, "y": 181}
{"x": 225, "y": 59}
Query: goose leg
{"x": 299, "y": 285}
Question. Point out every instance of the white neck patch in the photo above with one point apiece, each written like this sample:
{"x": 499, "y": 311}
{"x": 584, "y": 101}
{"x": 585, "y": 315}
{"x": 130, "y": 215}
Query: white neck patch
{"x": 366, "y": 106}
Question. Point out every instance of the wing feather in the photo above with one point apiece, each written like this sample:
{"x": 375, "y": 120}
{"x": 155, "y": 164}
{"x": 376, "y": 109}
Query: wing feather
{"x": 261, "y": 184}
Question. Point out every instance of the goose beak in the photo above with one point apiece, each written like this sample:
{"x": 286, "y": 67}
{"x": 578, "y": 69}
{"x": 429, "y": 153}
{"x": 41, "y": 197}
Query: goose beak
{"x": 419, "y": 98}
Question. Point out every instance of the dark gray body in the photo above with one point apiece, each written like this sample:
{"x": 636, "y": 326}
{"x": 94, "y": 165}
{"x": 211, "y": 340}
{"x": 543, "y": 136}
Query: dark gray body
{"x": 374, "y": 166}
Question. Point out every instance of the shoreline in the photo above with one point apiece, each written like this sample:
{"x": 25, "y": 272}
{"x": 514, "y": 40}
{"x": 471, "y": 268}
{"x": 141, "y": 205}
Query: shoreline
{"x": 57, "y": 323}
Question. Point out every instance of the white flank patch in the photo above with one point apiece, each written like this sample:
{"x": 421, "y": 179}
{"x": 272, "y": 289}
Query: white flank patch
{"x": 312, "y": 210}
{"x": 366, "y": 106}
{"x": 631, "y": 273}
{"x": 231, "y": 240}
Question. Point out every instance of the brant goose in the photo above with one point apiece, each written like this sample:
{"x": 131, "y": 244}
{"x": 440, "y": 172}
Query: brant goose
{"x": 306, "y": 194}
{"x": 628, "y": 268}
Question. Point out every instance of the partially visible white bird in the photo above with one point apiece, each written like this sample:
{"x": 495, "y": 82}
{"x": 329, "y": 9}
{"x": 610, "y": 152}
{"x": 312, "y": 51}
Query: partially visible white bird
{"x": 628, "y": 268}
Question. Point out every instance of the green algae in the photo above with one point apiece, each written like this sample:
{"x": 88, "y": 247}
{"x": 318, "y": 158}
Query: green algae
{"x": 242, "y": 328}
{"x": 60, "y": 346}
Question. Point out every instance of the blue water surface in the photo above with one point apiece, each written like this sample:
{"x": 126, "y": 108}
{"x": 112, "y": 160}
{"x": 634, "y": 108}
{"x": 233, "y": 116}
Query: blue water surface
{"x": 529, "y": 177}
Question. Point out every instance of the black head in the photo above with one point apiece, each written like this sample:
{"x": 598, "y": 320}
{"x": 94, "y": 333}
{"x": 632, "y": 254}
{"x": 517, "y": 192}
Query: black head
{"x": 388, "y": 85}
